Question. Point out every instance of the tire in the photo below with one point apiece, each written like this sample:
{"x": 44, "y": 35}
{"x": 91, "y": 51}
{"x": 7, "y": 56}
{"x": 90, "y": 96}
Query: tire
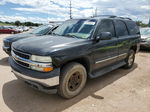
{"x": 130, "y": 59}
{"x": 12, "y": 32}
{"x": 72, "y": 80}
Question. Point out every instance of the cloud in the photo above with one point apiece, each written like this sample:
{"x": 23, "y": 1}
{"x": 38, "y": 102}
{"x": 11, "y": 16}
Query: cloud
{"x": 147, "y": 7}
{"x": 59, "y": 9}
{"x": 25, "y": 19}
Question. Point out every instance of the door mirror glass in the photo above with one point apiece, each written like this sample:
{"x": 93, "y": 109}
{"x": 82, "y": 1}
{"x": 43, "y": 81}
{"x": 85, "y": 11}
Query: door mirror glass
{"x": 105, "y": 36}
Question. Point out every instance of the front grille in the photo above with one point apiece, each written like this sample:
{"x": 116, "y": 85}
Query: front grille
{"x": 22, "y": 64}
{"x": 21, "y": 55}
{"x": 6, "y": 44}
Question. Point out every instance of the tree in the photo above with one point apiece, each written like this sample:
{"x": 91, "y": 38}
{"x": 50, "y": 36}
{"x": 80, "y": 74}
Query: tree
{"x": 17, "y": 23}
{"x": 140, "y": 23}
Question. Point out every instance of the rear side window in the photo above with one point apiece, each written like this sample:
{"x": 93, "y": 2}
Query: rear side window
{"x": 121, "y": 28}
{"x": 133, "y": 28}
{"x": 107, "y": 26}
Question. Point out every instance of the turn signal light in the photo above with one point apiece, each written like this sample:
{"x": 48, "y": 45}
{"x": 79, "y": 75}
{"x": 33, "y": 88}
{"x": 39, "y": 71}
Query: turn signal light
{"x": 48, "y": 69}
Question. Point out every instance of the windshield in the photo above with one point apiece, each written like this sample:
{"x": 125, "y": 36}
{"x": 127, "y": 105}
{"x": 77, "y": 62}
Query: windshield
{"x": 41, "y": 30}
{"x": 145, "y": 32}
{"x": 82, "y": 28}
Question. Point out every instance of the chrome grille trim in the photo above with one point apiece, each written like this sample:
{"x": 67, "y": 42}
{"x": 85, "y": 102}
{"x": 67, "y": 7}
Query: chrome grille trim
{"x": 29, "y": 55}
{"x": 19, "y": 63}
{"x": 28, "y": 61}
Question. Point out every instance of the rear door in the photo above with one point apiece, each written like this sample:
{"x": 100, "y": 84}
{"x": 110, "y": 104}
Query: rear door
{"x": 123, "y": 39}
{"x": 105, "y": 51}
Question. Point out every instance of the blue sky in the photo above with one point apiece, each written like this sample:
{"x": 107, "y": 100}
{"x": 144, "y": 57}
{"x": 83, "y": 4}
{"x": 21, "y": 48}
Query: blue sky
{"x": 42, "y": 11}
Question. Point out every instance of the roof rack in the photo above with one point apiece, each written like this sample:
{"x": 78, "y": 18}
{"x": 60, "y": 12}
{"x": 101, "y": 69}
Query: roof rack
{"x": 105, "y": 16}
{"x": 122, "y": 18}
{"x": 113, "y": 16}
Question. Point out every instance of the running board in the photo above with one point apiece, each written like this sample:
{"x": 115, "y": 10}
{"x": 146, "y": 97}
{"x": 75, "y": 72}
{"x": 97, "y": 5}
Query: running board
{"x": 107, "y": 69}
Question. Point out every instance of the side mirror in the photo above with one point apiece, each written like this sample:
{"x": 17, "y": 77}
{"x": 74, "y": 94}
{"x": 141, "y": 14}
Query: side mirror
{"x": 104, "y": 36}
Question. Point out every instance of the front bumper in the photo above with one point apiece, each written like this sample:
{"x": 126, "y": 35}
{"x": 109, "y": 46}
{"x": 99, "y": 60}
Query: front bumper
{"x": 39, "y": 80}
{"x": 49, "y": 82}
{"x": 7, "y": 50}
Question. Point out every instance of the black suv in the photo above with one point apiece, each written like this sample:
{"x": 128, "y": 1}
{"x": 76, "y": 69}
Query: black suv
{"x": 78, "y": 49}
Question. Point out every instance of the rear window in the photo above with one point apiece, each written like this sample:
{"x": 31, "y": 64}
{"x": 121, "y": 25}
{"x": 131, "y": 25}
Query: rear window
{"x": 121, "y": 28}
{"x": 133, "y": 28}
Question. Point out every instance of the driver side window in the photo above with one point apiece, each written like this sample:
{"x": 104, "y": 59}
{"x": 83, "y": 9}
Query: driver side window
{"x": 107, "y": 26}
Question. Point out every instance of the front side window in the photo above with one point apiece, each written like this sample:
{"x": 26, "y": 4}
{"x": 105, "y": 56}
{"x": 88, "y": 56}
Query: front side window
{"x": 107, "y": 26}
{"x": 121, "y": 28}
{"x": 81, "y": 28}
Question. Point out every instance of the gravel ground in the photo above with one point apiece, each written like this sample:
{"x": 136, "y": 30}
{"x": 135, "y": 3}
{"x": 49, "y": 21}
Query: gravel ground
{"x": 118, "y": 91}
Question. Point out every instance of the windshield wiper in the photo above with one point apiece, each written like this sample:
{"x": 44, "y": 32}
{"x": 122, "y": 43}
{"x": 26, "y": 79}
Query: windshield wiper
{"x": 55, "y": 34}
{"x": 68, "y": 35}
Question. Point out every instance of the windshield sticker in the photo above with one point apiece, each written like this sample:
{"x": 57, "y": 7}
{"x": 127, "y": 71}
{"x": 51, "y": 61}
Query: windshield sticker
{"x": 89, "y": 23}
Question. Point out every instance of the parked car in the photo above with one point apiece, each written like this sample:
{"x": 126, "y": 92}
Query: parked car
{"x": 42, "y": 30}
{"x": 145, "y": 38}
{"x": 25, "y": 28}
{"x": 7, "y": 30}
{"x": 78, "y": 49}
{"x": 19, "y": 29}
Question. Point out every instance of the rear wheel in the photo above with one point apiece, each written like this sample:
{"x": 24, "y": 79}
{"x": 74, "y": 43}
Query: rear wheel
{"x": 72, "y": 80}
{"x": 130, "y": 59}
{"x": 12, "y": 32}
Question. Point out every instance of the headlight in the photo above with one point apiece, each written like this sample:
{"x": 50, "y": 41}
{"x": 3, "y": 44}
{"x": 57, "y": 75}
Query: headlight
{"x": 44, "y": 59}
{"x": 42, "y": 69}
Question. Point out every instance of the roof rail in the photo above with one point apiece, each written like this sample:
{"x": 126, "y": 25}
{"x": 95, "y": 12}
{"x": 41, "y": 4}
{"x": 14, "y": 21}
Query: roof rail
{"x": 113, "y": 16}
{"x": 124, "y": 18}
{"x": 105, "y": 16}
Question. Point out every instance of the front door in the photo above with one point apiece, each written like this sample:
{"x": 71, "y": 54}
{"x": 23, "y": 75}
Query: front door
{"x": 105, "y": 51}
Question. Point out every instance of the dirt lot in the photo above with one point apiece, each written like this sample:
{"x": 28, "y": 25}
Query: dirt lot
{"x": 118, "y": 91}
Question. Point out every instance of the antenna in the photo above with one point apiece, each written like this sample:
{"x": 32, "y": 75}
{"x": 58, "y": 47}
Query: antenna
{"x": 70, "y": 6}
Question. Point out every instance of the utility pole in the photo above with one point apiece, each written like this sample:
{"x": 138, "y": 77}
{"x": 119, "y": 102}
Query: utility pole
{"x": 96, "y": 11}
{"x": 149, "y": 22}
{"x": 70, "y": 7}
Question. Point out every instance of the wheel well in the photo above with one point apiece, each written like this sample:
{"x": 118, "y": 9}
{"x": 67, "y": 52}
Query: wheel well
{"x": 82, "y": 61}
{"x": 134, "y": 48}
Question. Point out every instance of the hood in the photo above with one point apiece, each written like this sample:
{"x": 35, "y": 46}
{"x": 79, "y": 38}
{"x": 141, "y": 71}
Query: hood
{"x": 44, "y": 45}
{"x": 16, "y": 37}
{"x": 144, "y": 37}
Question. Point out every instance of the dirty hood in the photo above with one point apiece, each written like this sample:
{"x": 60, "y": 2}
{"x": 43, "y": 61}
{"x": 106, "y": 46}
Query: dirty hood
{"x": 44, "y": 45}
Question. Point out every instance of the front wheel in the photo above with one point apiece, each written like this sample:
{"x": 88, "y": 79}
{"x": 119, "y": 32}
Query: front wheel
{"x": 72, "y": 80}
{"x": 130, "y": 59}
